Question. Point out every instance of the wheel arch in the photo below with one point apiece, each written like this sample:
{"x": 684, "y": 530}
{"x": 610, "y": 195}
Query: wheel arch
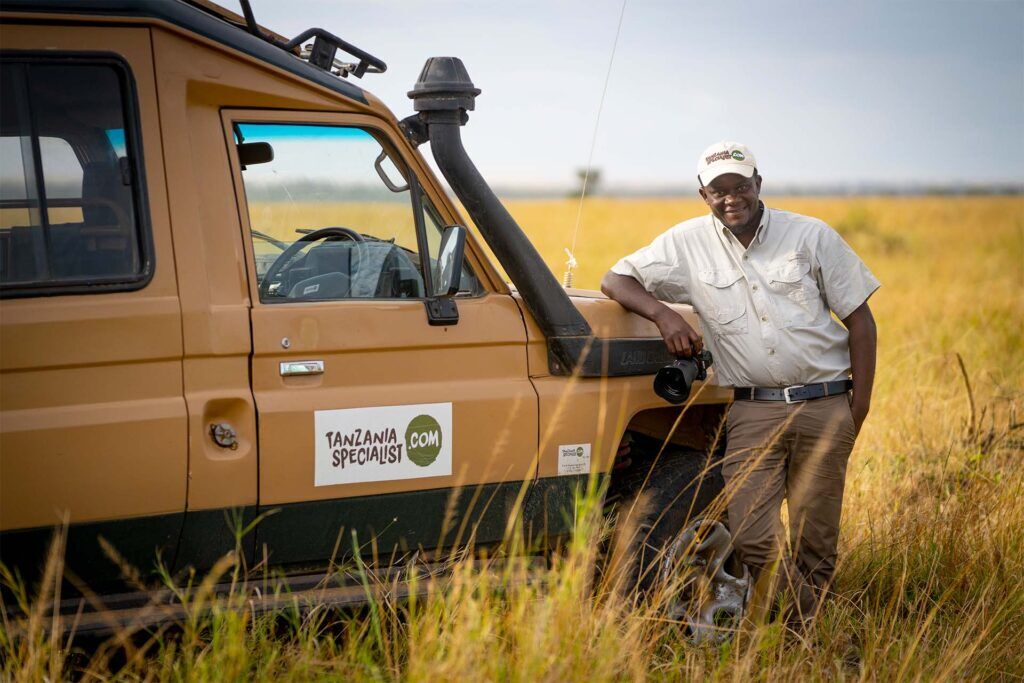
{"x": 699, "y": 427}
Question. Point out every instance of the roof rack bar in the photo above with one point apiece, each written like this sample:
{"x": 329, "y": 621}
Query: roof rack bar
{"x": 250, "y": 19}
{"x": 326, "y": 44}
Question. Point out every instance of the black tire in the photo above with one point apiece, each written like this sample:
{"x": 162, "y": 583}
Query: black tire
{"x": 681, "y": 486}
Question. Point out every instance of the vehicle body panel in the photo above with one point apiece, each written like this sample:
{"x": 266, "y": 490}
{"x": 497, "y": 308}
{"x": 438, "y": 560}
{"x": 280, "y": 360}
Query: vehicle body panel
{"x": 91, "y": 384}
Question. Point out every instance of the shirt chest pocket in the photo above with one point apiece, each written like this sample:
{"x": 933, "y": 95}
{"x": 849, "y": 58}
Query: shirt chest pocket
{"x": 725, "y": 300}
{"x": 795, "y": 296}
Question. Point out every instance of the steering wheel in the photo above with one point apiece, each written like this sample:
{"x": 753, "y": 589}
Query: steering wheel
{"x": 278, "y": 266}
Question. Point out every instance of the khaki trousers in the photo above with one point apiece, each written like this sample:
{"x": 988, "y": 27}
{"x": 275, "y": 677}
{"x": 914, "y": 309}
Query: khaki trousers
{"x": 796, "y": 451}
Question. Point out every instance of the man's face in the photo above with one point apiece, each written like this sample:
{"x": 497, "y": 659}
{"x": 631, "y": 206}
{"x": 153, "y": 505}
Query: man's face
{"x": 732, "y": 198}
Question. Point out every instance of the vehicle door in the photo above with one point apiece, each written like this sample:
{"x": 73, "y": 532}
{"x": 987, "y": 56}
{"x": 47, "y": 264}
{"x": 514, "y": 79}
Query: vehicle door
{"x": 92, "y": 416}
{"x": 376, "y": 427}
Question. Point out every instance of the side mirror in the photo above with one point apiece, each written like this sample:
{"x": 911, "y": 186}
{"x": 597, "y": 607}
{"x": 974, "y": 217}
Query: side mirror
{"x": 252, "y": 153}
{"x": 449, "y": 261}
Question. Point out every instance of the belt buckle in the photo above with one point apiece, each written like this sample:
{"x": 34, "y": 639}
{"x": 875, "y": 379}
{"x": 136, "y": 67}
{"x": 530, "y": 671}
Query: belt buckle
{"x": 785, "y": 393}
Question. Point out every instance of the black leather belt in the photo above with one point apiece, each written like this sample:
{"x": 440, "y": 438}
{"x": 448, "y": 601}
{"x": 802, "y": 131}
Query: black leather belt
{"x": 794, "y": 394}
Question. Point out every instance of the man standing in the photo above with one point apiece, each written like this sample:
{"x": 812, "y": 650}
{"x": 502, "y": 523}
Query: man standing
{"x": 765, "y": 284}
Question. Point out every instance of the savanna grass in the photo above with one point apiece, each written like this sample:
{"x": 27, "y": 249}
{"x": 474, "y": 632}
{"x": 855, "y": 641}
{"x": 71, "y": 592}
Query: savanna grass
{"x": 930, "y": 583}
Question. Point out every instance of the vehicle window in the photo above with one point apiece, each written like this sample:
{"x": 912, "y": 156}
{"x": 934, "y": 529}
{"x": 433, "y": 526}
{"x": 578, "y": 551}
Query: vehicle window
{"x": 331, "y": 216}
{"x": 67, "y": 208}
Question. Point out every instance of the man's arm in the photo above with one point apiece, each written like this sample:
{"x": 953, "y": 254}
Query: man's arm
{"x": 680, "y": 338}
{"x": 863, "y": 343}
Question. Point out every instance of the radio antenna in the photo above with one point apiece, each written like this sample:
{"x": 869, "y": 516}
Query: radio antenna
{"x": 571, "y": 263}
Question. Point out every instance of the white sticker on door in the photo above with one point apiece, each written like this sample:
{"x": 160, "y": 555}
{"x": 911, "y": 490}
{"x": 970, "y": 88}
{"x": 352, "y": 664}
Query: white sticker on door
{"x": 574, "y": 459}
{"x": 382, "y": 444}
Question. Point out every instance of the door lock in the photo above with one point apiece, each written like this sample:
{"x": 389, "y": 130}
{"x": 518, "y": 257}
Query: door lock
{"x": 224, "y": 435}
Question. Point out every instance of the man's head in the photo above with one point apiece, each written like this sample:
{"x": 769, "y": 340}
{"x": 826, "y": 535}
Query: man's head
{"x": 729, "y": 183}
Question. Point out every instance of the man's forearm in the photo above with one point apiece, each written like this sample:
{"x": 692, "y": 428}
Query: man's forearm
{"x": 863, "y": 349}
{"x": 632, "y": 296}
{"x": 680, "y": 338}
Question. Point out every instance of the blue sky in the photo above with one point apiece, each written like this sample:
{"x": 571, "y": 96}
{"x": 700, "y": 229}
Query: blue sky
{"x": 823, "y": 92}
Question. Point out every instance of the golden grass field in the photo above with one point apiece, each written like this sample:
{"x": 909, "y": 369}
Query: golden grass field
{"x": 931, "y": 577}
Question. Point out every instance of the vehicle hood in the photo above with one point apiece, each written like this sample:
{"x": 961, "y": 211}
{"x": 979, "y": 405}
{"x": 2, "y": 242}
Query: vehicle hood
{"x": 608, "y": 319}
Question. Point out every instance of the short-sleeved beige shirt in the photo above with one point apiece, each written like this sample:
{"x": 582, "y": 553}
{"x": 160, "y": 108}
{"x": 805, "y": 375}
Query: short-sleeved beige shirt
{"x": 766, "y": 310}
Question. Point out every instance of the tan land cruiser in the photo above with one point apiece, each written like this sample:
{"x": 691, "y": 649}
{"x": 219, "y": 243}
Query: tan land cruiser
{"x": 233, "y": 286}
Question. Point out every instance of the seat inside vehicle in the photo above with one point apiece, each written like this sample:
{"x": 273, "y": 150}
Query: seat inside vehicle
{"x": 344, "y": 269}
{"x": 101, "y": 244}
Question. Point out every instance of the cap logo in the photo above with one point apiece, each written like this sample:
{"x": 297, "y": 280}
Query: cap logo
{"x": 735, "y": 155}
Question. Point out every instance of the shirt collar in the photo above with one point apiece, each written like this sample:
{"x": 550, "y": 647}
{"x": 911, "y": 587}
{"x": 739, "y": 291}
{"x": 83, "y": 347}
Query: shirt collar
{"x": 762, "y": 227}
{"x": 759, "y": 234}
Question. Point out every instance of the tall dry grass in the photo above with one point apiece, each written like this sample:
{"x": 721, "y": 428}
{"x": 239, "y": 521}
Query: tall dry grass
{"x": 930, "y": 583}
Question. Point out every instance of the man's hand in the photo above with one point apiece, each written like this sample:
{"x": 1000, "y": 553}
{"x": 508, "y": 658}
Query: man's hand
{"x": 680, "y": 338}
{"x": 860, "y": 413}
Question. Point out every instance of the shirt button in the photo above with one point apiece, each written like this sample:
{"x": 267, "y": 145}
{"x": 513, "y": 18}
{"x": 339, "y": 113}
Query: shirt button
{"x": 754, "y": 288}
{"x": 746, "y": 258}
{"x": 771, "y": 352}
{"x": 764, "y": 318}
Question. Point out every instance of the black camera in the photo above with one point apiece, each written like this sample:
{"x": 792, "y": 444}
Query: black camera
{"x": 673, "y": 381}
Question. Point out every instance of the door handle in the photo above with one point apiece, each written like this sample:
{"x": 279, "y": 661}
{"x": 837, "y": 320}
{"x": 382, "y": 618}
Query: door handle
{"x": 302, "y": 367}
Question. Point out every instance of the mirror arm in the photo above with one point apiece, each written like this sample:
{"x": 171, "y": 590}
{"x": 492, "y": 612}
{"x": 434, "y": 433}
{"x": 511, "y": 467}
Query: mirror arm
{"x": 442, "y": 310}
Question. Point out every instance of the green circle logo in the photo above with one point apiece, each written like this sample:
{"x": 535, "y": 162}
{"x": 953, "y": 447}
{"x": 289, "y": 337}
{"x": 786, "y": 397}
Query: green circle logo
{"x": 579, "y": 451}
{"x": 423, "y": 440}
{"x": 738, "y": 155}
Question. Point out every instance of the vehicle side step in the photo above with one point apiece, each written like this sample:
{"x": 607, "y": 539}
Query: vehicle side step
{"x": 140, "y": 610}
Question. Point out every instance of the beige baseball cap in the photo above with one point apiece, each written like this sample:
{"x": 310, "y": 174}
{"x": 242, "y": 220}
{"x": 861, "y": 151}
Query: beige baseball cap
{"x": 727, "y": 156}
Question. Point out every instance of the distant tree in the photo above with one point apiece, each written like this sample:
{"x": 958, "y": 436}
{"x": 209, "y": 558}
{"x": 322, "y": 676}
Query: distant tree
{"x": 587, "y": 183}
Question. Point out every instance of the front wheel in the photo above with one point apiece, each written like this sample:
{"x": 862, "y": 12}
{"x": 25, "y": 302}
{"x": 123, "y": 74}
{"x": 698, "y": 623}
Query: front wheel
{"x": 675, "y": 550}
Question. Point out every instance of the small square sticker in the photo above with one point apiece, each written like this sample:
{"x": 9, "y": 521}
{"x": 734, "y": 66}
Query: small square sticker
{"x": 574, "y": 459}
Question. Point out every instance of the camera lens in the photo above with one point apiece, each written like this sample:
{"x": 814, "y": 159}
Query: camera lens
{"x": 673, "y": 381}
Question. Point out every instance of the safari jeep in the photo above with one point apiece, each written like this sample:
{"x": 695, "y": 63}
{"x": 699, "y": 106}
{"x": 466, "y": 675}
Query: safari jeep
{"x": 235, "y": 295}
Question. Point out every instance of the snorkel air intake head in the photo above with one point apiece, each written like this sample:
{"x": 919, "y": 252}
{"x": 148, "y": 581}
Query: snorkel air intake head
{"x": 444, "y": 86}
